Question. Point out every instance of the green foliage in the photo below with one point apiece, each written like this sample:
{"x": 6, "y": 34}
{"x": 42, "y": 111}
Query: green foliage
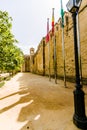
{"x": 11, "y": 57}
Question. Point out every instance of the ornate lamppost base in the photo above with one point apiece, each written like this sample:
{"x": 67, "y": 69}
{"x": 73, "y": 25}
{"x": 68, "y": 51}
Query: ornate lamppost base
{"x": 79, "y": 118}
{"x": 80, "y": 123}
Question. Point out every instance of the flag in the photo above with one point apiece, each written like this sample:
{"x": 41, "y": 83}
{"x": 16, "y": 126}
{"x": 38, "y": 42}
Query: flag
{"x": 62, "y": 15}
{"x": 52, "y": 21}
{"x": 47, "y": 36}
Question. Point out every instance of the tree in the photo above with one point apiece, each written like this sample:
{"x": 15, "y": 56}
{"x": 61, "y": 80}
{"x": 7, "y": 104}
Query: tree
{"x": 11, "y": 57}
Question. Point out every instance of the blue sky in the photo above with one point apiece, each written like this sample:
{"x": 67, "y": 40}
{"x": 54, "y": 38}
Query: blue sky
{"x": 30, "y": 19}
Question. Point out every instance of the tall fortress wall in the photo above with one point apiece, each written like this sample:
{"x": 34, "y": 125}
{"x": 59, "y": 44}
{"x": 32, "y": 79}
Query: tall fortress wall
{"x": 42, "y": 56}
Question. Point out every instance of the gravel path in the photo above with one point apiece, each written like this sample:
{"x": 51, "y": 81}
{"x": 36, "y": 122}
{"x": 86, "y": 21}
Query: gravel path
{"x": 32, "y": 102}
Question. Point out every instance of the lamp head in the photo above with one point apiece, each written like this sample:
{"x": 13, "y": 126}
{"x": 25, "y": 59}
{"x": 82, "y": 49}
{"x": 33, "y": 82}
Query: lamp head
{"x": 73, "y": 5}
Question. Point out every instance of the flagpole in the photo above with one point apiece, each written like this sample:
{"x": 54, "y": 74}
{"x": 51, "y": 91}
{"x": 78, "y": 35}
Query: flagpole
{"x": 47, "y": 40}
{"x": 49, "y": 61}
{"x": 55, "y": 67}
{"x": 49, "y": 52}
{"x": 63, "y": 52}
{"x": 63, "y": 45}
{"x": 54, "y": 42}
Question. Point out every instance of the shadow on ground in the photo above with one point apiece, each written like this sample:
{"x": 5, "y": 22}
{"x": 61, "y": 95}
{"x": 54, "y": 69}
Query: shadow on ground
{"x": 39, "y": 96}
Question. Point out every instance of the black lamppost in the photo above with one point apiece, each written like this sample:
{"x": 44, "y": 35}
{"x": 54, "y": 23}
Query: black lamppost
{"x": 79, "y": 118}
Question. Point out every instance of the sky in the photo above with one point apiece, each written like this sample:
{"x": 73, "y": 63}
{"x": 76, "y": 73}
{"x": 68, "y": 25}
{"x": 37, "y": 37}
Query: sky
{"x": 29, "y": 23}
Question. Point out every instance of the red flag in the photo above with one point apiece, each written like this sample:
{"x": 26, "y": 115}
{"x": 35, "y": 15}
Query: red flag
{"x": 52, "y": 21}
{"x": 47, "y": 36}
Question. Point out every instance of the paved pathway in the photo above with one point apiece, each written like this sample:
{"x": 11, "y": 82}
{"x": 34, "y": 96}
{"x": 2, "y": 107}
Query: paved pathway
{"x": 32, "y": 102}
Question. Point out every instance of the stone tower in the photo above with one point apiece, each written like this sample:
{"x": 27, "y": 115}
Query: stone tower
{"x": 31, "y": 59}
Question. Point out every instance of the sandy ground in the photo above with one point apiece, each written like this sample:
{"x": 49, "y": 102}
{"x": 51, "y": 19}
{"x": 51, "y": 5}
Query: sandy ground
{"x": 32, "y": 102}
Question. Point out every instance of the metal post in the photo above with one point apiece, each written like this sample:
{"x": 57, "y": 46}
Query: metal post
{"x": 55, "y": 67}
{"x": 79, "y": 49}
{"x": 49, "y": 62}
{"x": 63, "y": 51}
{"x": 79, "y": 117}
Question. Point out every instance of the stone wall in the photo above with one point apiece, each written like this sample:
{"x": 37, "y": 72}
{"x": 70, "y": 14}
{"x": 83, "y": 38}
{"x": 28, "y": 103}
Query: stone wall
{"x": 26, "y": 64}
{"x": 45, "y": 51}
{"x": 83, "y": 36}
{"x": 39, "y": 58}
